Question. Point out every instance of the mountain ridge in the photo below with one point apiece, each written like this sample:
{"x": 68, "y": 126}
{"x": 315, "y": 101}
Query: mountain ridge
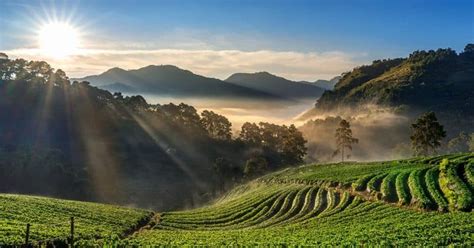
{"x": 267, "y": 82}
{"x": 172, "y": 80}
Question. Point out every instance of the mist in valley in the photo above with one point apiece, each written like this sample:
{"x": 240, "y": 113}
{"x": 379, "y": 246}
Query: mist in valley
{"x": 383, "y": 132}
{"x": 239, "y": 111}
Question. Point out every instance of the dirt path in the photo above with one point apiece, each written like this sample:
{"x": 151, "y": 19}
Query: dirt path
{"x": 146, "y": 222}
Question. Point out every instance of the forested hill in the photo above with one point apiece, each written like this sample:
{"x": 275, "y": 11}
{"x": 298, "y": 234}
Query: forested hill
{"x": 441, "y": 81}
{"x": 72, "y": 140}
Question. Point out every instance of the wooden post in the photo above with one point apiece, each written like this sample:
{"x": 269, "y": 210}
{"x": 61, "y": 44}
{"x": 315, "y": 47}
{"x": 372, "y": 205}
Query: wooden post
{"x": 27, "y": 236}
{"x": 72, "y": 233}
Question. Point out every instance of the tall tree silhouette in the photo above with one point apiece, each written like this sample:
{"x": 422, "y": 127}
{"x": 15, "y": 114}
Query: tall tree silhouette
{"x": 344, "y": 138}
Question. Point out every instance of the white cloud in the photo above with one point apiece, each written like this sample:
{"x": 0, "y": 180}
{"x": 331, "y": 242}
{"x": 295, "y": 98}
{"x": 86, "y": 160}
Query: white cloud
{"x": 207, "y": 62}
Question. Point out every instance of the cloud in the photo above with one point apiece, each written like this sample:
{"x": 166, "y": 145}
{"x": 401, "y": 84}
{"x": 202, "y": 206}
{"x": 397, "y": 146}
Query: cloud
{"x": 212, "y": 63}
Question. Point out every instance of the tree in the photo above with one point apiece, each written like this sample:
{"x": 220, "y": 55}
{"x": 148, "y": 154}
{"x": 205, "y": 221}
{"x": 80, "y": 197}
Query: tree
{"x": 344, "y": 138}
{"x": 427, "y": 134}
{"x": 459, "y": 143}
{"x": 280, "y": 144}
{"x": 250, "y": 133}
{"x": 222, "y": 168}
{"x": 218, "y": 126}
{"x": 255, "y": 166}
{"x": 182, "y": 115}
{"x": 294, "y": 146}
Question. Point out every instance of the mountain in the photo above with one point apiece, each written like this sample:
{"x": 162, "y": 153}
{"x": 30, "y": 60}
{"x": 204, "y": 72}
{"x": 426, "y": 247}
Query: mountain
{"x": 266, "y": 82}
{"x": 171, "y": 80}
{"x": 440, "y": 80}
{"x": 327, "y": 84}
{"x": 119, "y": 87}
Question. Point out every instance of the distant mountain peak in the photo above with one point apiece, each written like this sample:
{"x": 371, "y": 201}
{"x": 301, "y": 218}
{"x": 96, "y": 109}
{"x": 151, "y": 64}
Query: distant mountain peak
{"x": 267, "y": 82}
{"x": 114, "y": 70}
{"x": 173, "y": 81}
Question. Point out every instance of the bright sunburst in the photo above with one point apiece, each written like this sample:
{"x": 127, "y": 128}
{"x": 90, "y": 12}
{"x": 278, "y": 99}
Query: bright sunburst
{"x": 58, "y": 39}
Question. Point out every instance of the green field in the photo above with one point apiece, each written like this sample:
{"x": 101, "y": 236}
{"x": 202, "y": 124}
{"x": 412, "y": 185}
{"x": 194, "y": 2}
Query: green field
{"x": 424, "y": 202}
{"x": 50, "y": 219}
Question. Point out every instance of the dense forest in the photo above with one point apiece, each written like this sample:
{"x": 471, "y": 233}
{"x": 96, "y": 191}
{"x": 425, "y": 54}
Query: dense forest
{"x": 72, "y": 140}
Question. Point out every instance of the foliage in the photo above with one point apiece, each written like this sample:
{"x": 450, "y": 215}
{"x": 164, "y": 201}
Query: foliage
{"x": 279, "y": 211}
{"x": 50, "y": 219}
{"x": 456, "y": 191}
{"x": 434, "y": 80}
{"x": 255, "y": 166}
{"x": 388, "y": 189}
{"x": 403, "y": 191}
{"x": 93, "y": 145}
{"x": 420, "y": 196}
{"x": 280, "y": 145}
{"x": 344, "y": 138}
{"x": 427, "y": 134}
{"x": 431, "y": 179}
{"x": 306, "y": 206}
{"x": 217, "y": 126}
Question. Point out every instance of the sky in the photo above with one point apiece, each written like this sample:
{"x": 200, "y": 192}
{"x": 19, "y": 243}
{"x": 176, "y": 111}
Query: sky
{"x": 297, "y": 39}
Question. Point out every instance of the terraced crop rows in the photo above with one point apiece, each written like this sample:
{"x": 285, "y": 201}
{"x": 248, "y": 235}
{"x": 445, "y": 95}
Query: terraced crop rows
{"x": 342, "y": 204}
{"x": 275, "y": 202}
{"x": 286, "y": 205}
{"x": 422, "y": 186}
{"x": 417, "y": 183}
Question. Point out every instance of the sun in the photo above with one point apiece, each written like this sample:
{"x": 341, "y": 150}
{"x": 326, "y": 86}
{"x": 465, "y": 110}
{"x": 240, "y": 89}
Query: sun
{"x": 58, "y": 39}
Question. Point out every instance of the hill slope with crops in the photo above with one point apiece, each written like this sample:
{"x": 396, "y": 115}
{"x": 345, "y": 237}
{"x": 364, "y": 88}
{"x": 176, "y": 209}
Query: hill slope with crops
{"x": 425, "y": 201}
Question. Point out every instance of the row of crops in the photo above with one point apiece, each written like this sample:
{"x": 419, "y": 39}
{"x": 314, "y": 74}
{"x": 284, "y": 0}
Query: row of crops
{"x": 439, "y": 183}
{"x": 274, "y": 205}
{"x": 443, "y": 187}
{"x": 361, "y": 223}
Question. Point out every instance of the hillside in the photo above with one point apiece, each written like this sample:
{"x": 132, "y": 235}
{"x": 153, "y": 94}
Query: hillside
{"x": 171, "y": 80}
{"x": 50, "y": 219}
{"x": 338, "y": 204}
{"x": 441, "y": 81}
{"x": 76, "y": 141}
{"x": 119, "y": 87}
{"x": 327, "y": 84}
{"x": 266, "y": 82}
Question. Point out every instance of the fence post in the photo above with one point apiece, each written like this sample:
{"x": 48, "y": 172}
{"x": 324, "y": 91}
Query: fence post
{"x": 27, "y": 237}
{"x": 72, "y": 232}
